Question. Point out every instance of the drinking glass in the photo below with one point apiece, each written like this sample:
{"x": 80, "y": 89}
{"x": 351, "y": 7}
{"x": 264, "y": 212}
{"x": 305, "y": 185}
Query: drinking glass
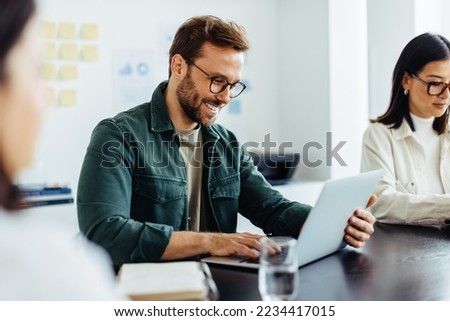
{"x": 277, "y": 275}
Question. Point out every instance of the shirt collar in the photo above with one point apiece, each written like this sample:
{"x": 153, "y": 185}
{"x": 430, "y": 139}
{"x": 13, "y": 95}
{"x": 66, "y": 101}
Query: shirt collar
{"x": 160, "y": 120}
{"x": 403, "y": 131}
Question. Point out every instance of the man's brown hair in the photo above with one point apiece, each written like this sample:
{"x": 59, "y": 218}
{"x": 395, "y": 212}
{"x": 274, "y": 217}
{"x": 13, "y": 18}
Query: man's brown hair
{"x": 192, "y": 34}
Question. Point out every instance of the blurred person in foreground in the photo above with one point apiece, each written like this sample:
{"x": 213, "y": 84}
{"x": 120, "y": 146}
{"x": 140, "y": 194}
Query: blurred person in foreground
{"x": 38, "y": 261}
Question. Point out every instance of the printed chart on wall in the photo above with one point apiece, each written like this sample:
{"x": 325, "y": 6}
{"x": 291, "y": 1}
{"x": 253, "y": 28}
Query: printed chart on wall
{"x": 133, "y": 77}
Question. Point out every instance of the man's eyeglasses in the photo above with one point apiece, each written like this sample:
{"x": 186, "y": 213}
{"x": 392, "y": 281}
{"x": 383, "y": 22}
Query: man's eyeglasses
{"x": 433, "y": 88}
{"x": 219, "y": 84}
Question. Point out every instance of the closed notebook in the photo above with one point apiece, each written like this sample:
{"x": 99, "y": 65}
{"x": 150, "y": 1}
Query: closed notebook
{"x": 184, "y": 280}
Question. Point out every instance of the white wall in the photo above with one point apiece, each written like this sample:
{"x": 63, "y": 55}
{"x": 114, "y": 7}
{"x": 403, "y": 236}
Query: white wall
{"x": 445, "y": 7}
{"x": 429, "y": 16}
{"x": 323, "y": 78}
{"x": 304, "y": 80}
{"x": 390, "y": 27}
{"x": 348, "y": 81}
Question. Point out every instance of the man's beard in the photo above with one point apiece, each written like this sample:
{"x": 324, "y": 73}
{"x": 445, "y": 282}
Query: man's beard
{"x": 188, "y": 97}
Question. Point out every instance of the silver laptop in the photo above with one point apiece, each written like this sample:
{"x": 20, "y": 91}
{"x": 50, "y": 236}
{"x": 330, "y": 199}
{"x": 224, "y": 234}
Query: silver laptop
{"x": 323, "y": 232}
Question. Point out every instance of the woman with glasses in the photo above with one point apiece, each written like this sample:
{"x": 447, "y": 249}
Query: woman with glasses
{"x": 411, "y": 140}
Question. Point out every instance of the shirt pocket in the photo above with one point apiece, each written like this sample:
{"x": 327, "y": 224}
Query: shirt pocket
{"x": 226, "y": 187}
{"x": 159, "y": 199}
{"x": 405, "y": 187}
{"x": 224, "y": 193}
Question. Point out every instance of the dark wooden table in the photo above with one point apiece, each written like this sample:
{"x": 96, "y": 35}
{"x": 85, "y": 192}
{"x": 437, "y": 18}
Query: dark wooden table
{"x": 398, "y": 263}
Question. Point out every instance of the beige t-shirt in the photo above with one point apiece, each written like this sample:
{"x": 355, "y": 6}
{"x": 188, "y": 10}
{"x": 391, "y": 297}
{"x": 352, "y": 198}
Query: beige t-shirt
{"x": 192, "y": 152}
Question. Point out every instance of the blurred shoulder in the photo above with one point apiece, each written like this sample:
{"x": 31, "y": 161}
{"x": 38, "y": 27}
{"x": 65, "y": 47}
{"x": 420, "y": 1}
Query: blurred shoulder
{"x": 40, "y": 261}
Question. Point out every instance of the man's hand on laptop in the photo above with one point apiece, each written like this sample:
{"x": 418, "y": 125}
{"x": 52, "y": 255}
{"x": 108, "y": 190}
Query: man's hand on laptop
{"x": 360, "y": 226}
{"x": 186, "y": 243}
{"x": 225, "y": 244}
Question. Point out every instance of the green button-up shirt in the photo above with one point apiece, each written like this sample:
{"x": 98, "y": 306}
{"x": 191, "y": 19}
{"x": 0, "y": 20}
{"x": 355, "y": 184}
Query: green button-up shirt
{"x": 132, "y": 192}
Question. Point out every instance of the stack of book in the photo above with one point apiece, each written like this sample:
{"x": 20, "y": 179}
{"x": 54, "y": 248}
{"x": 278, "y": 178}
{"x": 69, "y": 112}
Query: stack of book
{"x": 43, "y": 196}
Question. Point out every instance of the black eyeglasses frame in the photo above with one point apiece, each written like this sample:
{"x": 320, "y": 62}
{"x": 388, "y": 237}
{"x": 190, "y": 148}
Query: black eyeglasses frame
{"x": 212, "y": 78}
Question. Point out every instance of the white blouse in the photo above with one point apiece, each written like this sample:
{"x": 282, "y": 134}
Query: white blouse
{"x": 404, "y": 190}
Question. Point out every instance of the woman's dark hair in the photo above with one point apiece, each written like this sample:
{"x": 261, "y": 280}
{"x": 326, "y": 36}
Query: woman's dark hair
{"x": 418, "y": 52}
{"x": 14, "y": 16}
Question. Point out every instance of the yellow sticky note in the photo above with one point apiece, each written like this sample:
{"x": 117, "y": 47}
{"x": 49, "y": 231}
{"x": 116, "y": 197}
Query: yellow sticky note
{"x": 48, "y": 29}
{"x": 50, "y": 50}
{"x": 68, "y": 51}
{"x": 67, "y": 98}
{"x": 89, "y": 31}
{"x": 89, "y": 52}
{"x": 67, "y": 30}
{"x": 48, "y": 71}
{"x": 68, "y": 72}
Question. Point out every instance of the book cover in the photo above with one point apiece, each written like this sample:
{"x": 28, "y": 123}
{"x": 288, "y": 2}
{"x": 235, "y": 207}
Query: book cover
{"x": 185, "y": 280}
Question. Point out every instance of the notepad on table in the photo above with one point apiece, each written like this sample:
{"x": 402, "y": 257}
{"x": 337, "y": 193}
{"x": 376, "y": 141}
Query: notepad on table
{"x": 184, "y": 280}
